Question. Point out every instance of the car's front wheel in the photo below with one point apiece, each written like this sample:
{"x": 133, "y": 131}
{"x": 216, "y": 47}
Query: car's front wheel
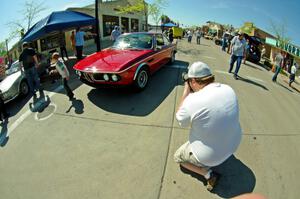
{"x": 24, "y": 88}
{"x": 142, "y": 78}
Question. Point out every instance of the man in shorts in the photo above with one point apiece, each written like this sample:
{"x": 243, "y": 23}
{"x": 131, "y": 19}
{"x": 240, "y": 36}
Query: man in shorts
{"x": 211, "y": 109}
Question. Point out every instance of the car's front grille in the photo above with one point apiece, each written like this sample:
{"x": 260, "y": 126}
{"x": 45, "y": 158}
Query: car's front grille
{"x": 98, "y": 77}
{"x": 87, "y": 77}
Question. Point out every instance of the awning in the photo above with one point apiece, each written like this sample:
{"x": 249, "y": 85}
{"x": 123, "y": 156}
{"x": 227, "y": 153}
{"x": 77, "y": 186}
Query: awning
{"x": 58, "y": 21}
{"x": 168, "y": 25}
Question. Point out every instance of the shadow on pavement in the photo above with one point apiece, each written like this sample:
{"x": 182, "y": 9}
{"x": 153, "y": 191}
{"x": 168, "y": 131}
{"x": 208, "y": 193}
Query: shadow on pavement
{"x": 252, "y": 82}
{"x": 127, "y": 102}
{"x": 283, "y": 86}
{"x": 236, "y": 178}
{"x": 78, "y": 105}
{"x": 15, "y": 106}
{"x": 252, "y": 66}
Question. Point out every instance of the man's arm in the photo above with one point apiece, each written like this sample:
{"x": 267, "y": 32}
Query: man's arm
{"x": 36, "y": 61}
{"x": 182, "y": 114}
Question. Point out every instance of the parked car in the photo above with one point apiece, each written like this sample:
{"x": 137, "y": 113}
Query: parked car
{"x": 130, "y": 61}
{"x": 14, "y": 83}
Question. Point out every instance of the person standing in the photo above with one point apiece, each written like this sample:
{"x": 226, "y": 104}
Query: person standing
{"x": 215, "y": 132}
{"x": 115, "y": 34}
{"x": 293, "y": 74}
{"x": 64, "y": 73}
{"x": 79, "y": 42}
{"x": 278, "y": 65}
{"x": 3, "y": 112}
{"x": 171, "y": 35}
{"x": 238, "y": 49}
{"x": 247, "y": 51}
{"x": 224, "y": 41}
{"x": 73, "y": 43}
{"x": 198, "y": 36}
{"x": 263, "y": 52}
{"x": 28, "y": 60}
{"x": 190, "y": 36}
{"x": 62, "y": 45}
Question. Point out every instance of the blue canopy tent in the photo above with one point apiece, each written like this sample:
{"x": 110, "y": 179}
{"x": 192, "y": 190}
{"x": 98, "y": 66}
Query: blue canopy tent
{"x": 58, "y": 21}
{"x": 169, "y": 25}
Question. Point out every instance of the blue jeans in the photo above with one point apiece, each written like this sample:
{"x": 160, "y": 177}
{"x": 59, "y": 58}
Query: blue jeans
{"x": 278, "y": 68}
{"x": 238, "y": 60}
{"x": 223, "y": 44}
{"x": 32, "y": 79}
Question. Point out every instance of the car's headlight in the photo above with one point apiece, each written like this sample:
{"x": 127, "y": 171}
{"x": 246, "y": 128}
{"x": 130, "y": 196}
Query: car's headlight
{"x": 114, "y": 77}
{"x": 78, "y": 73}
{"x": 106, "y": 77}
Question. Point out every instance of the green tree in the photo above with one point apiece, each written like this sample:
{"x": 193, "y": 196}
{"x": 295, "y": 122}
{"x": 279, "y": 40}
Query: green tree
{"x": 280, "y": 31}
{"x": 31, "y": 11}
{"x": 153, "y": 9}
{"x": 2, "y": 49}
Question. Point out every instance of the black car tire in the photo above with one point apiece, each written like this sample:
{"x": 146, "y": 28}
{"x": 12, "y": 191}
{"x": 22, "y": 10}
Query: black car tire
{"x": 24, "y": 88}
{"x": 142, "y": 79}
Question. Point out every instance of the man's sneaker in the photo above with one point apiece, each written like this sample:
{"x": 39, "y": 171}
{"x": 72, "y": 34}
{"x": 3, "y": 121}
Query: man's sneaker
{"x": 212, "y": 181}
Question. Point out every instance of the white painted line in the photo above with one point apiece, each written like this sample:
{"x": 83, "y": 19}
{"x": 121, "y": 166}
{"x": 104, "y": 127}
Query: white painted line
{"x": 208, "y": 57}
{"x": 45, "y": 118}
{"x": 223, "y": 72}
{"x": 14, "y": 125}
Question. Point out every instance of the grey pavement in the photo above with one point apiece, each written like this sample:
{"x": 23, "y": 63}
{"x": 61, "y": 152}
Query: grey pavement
{"x": 114, "y": 143}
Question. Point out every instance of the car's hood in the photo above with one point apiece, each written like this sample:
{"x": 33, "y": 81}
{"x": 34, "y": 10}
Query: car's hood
{"x": 9, "y": 80}
{"x": 110, "y": 60}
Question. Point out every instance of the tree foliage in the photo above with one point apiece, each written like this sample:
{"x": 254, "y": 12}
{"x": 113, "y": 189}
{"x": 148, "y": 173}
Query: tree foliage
{"x": 31, "y": 10}
{"x": 152, "y": 9}
{"x": 2, "y": 49}
{"x": 280, "y": 31}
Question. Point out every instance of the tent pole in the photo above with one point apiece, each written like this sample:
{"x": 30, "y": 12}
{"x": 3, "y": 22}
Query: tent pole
{"x": 97, "y": 26}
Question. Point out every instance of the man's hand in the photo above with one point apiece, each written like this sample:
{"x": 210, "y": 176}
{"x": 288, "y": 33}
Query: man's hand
{"x": 67, "y": 78}
{"x": 187, "y": 90}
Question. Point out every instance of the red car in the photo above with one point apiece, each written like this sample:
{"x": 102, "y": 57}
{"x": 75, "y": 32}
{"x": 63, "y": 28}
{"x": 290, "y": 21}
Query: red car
{"x": 132, "y": 58}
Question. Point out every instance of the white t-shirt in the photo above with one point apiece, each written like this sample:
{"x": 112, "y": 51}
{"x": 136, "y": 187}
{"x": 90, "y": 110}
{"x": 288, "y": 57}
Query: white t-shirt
{"x": 293, "y": 69}
{"x": 61, "y": 68}
{"x": 213, "y": 113}
{"x": 238, "y": 46}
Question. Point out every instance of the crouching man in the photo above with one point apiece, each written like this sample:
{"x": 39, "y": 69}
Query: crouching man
{"x": 212, "y": 111}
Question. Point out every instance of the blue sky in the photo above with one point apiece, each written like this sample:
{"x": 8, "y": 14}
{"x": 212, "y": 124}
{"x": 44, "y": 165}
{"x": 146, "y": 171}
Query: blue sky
{"x": 189, "y": 12}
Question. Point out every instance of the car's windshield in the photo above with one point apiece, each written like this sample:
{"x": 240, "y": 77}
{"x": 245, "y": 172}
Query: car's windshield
{"x": 134, "y": 41}
{"x": 15, "y": 67}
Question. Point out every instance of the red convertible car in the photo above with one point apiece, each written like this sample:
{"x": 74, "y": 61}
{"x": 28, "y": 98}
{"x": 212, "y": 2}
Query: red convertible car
{"x": 131, "y": 60}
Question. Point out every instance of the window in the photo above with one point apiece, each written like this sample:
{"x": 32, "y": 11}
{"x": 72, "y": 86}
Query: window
{"x": 159, "y": 41}
{"x": 52, "y": 41}
{"x": 125, "y": 24}
{"x": 134, "y": 25}
{"x": 109, "y": 22}
{"x": 166, "y": 40}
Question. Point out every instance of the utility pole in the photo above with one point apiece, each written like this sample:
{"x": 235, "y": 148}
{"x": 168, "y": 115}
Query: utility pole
{"x": 97, "y": 26}
{"x": 6, "y": 41}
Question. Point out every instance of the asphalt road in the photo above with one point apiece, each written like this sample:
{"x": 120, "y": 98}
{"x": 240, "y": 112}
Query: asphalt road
{"x": 120, "y": 144}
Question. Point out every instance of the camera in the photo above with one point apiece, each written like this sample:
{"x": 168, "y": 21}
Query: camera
{"x": 184, "y": 77}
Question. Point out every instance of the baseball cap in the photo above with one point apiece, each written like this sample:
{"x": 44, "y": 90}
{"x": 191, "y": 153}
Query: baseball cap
{"x": 198, "y": 70}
